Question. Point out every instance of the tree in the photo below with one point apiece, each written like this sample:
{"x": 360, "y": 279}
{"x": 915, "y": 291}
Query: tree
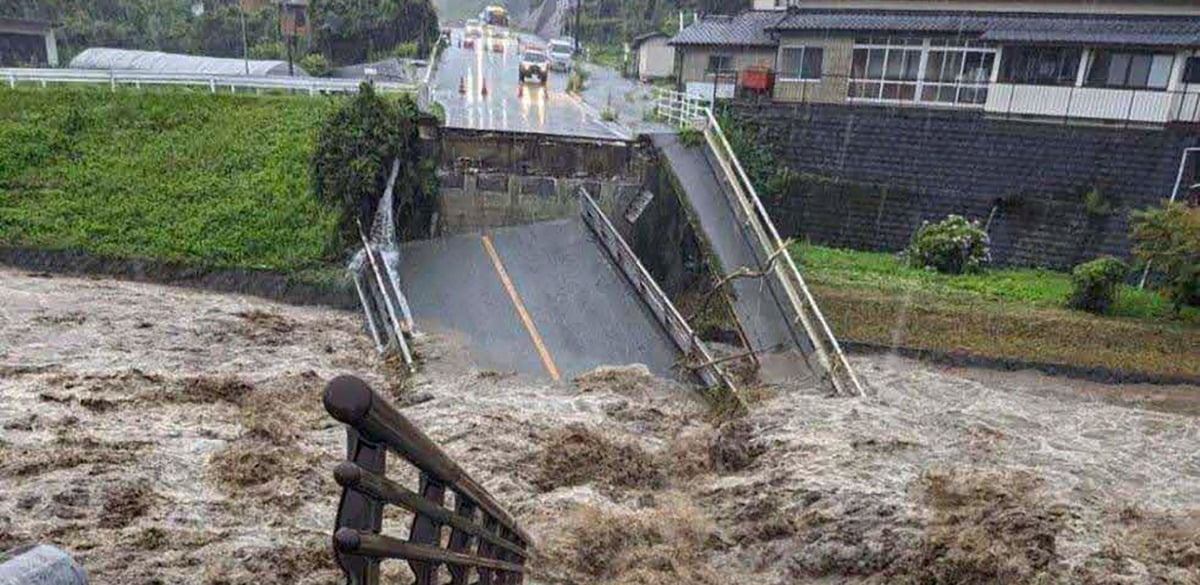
{"x": 353, "y": 159}
{"x": 353, "y": 31}
{"x": 1168, "y": 239}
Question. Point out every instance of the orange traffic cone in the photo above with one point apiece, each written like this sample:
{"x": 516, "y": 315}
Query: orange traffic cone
{"x": 462, "y": 85}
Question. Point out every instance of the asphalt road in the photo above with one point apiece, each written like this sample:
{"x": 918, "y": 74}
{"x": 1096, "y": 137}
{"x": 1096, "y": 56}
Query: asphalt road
{"x": 541, "y": 299}
{"x": 507, "y": 104}
{"x": 755, "y": 301}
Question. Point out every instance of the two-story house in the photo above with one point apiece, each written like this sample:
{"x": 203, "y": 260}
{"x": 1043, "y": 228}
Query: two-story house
{"x": 1081, "y": 60}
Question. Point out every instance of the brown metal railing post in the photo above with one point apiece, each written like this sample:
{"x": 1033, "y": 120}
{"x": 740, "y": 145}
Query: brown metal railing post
{"x": 477, "y": 520}
{"x": 426, "y": 531}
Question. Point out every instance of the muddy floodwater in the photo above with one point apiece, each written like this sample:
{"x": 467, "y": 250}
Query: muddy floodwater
{"x": 171, "y": 436}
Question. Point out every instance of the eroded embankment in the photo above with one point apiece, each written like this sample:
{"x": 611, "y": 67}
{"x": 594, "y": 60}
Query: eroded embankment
{"x": 176, "y": 436}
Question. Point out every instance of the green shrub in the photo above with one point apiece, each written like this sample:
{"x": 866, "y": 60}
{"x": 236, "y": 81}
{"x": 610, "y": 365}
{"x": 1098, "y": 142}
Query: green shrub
{"x": 577, "y": 80}
{"x": 608, "y": 115}
{"x": 1094, "y": 284}
{"x": 354, "y": 157}
{"x": 406, "y": 51}
{"x": 1168, "y": 238}
{"x": 316, "y": 65}
{"x": 268, "y": 50}
{"x": 954, "y": 245}
{"x": 691, "y": 137}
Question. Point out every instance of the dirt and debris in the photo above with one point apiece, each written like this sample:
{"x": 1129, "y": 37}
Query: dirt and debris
{"x": 196, "y": 451}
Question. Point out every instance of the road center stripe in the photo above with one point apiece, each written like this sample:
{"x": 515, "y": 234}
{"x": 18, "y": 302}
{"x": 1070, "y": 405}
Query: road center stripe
{"x": 547, "y": 360}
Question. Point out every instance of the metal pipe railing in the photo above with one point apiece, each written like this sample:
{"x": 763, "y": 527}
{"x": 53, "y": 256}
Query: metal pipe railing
{"x": 664, "y": 311}
{"x": 484, "y": 539}
{"x": 747, "y": 204}
{"x": 213, "y": 83}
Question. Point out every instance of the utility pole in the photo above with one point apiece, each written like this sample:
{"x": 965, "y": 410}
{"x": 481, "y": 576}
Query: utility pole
{"x": 245, "y": 43}
{"x": 578, "y": 13}
{"x": 287, "y": 38}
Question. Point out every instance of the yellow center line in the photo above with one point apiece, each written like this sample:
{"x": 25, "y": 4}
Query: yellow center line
{"x": 547, "y": 361}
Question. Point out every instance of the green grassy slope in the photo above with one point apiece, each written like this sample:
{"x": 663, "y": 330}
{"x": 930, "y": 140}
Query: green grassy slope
{"x": 176, "y": 175}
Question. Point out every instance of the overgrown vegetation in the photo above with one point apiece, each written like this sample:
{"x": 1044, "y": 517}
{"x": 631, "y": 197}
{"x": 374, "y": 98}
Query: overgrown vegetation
{"x": 1094, "y": 284}
{"x": 1168, "y": 238}
{"x": 317, "y": 65}
{"x": 214, "y": 180}
{"x": 1014, "y": 314}
{"x": 345, "y": 31}
{"x": 954, "y": 245}
{"x": 606, "y": 25}
{"x": 353, "y": 161}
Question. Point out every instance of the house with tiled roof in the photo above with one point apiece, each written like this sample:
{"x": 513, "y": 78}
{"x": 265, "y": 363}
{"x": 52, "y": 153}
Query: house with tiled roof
{"x": 1093, "y": 60}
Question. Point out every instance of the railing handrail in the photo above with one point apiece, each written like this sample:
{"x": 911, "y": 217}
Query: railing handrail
{"x": 116, "y": 76}
{"x": 774, "y": 244}
{"x": 678, "y": 329}
{"x": 795, "y": 288}
{"x": 375, "y": 426}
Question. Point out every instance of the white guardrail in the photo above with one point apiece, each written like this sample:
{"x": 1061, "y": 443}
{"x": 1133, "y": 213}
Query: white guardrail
{"x": 214, "y": 83}
{"x": 688, "y": 111}
{"x": 677, "y": 328}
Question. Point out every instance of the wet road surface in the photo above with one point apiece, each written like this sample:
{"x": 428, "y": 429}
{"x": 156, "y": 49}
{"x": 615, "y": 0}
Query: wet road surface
{"x": 541, "y": 299}
{"x": 507, "y": 104}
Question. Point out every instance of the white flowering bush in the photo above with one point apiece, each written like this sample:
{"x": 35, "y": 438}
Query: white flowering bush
{"x": 954, "y": 245}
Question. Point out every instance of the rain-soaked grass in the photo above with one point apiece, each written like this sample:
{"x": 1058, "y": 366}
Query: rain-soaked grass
{"x": 171, "y": 175}
{"x": 1017, "y": 314}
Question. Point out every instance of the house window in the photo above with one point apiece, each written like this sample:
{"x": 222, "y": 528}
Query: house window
{"x": 1191, "y": 72}
{"x": 801, "y": 63}
{"x": 719, "y": 64}
{"x": 1041, "y": 65}
{"x": 1120, "y": 69}
{"x": 943, "y": 71}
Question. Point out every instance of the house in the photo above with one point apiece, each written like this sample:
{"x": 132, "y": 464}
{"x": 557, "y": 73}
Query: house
{"x": 712, "y": 50}
{"x": 27, "y": 43}
{"x": 1090, "y": 61}
{"x": 653, "y": 57}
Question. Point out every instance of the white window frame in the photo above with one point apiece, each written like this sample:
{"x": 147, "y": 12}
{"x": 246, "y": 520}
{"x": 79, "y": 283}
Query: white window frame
{"x": 803, "y": 50}
{"x": 926, "y": 47}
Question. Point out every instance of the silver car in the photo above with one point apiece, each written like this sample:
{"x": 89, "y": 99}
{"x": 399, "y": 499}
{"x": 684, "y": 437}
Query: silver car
{"x": 561, "y": 55}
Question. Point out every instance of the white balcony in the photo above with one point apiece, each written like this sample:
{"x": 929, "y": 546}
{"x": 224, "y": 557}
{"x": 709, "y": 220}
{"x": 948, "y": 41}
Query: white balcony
{"x": 1092, "y": 103}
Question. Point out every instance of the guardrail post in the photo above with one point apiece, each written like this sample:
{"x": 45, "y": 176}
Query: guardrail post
{"x": 358, "y": 511}
{"x": 12, "y": 81}
{"x": 426, "y": 531}
{"x": 112, "y": 80}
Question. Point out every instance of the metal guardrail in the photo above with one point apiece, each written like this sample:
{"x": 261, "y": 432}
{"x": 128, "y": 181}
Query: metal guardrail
{"x": 425, "y": 93}
{"x": 214, "y": 83}
{"x": 384, "y": 305}
{"x": 677, "y": 328}
{"x": 748, "y": 207}
{"x": 483, "y": 538}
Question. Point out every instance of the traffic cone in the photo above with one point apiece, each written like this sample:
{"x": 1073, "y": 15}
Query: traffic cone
{"x": 462, "y": 85}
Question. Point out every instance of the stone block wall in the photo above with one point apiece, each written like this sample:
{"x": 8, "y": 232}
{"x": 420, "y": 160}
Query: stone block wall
{"x": 868, "y": 177}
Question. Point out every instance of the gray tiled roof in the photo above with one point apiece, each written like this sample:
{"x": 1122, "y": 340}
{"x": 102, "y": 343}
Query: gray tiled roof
{"x": 1109, "y": 29}
{"x": 745, "y": 29}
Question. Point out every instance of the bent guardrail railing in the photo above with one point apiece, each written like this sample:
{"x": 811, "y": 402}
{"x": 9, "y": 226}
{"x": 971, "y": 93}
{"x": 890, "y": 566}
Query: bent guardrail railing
{"x": 660, "y": 305}
{"x": 483, "y": 538}
{"x": 749, "y": 209}
{"x": 214, "y": 83}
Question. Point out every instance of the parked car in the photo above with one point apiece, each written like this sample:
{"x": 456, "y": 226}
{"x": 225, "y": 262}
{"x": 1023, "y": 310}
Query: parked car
{"x": 562, "y": 55}
{"x": 535, "y": 63}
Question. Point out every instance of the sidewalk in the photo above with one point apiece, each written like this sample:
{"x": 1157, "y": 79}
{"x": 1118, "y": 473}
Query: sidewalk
{"x": 629, "y": 99}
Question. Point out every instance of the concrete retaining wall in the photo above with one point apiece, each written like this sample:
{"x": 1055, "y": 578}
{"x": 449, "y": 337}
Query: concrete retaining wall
{"x": 871, "y": 175}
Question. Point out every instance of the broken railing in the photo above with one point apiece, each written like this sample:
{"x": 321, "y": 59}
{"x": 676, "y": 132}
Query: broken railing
{"x": 388, "y": 317}
{"x": 483, "y": 541}
{"x": 800, "y": 307}
{"x": 698, "y": 356}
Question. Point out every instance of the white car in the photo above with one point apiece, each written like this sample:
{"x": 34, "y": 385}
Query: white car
{"x": 535, "y": 63}
{"x": 562, "y": 55}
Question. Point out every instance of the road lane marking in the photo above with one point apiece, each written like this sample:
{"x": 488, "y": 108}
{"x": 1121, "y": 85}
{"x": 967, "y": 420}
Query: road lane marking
{"x": 526, "y": 319}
